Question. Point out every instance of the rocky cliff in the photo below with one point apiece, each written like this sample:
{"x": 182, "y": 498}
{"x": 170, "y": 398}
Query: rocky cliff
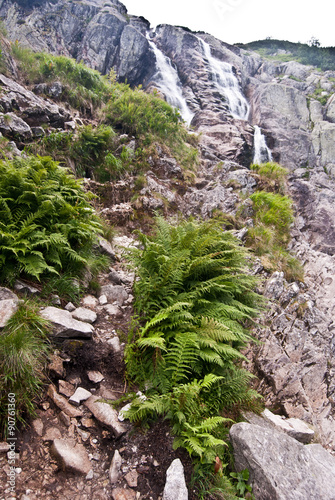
{"x": 224, "y": 92}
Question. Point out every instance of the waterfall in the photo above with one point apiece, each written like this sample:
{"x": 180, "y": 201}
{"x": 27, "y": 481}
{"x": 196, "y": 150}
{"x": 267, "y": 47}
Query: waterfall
{"x": 225, "y": 80}
{"x": 262, "y": 153}
{"x": 167, "y": 80}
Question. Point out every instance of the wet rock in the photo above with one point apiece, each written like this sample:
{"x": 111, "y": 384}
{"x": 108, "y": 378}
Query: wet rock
{"x": 115, "y": 468}
{"x": 71, "y": 458}
{"x": 62, "y": 403}
{"x": 84, "y": 314}
{"x": 64, "y": 325}
{"x": 79, "y": 396}
{"x": 106, "y": 415}
{"x": 175, "y": 486}
{"x": 115, "y": 293}
{"x": 280, "y": 467}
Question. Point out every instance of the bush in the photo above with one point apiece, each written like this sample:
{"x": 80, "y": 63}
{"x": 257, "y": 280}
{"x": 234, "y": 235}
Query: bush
{"x": 47, "y": 224}
{"x": 195, "y": 297}
{"x": 272, "y": 177}
{"x": 23, "y": 354}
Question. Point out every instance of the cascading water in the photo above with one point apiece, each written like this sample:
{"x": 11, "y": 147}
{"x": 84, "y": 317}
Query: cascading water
{"x": 167, "y": 80}
{"x": 262, "y": 153}
{"x": 227, "y": 83}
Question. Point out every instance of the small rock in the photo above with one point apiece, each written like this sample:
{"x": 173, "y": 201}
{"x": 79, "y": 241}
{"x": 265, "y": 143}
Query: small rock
{"x": 38, "y": 426}
{"x": 294, "y": 427}
{"x": 65, "y": 419}
{"x": 62, "y": 403}
{"x": 113, "y": 310}
{"x": 21, "y": 287}
{"x": 74, "y": 379}
{"x": 72, "y": 458}
{"x": 106, "y": 415}
{"x": 89, "y": 301}
{"x": 123, "y": 494}
{"x": 114, "y": 278}
{"x": 115, "y": 344}
{"x": 64, "y": 325}
{"x": 115, "y": 467}
{"x": 106, "y": 247}
{"x": 83, "y": 314}
{"x": 7, "y": 308}
{"x": 131, "y": 478}
{"x": 56, "y": 366}
{"x": 79, "y": 396}
{"x": 87, "y": 422}
{"x": 175, "y": 486}
{"x": 103, "y": 300}
{"x": 55, "y": 300}
{"x": 65, "y": 388}
{"x": 51, "y": 434}
{"x": 90, "y": 475}
{"x": 4, "y": 447}
{"x": 70, "y": 307}
{"x": 115, "y": 293}
{"x": 95, "y": 376}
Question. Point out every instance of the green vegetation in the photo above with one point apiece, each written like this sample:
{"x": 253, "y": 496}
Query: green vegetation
{"x": 196, "y": 303}
{"x": 310, "y": 54}
{"x": 47, "y": 224}
{"x": 23, "y": 353}
{"x": 84, "y": 88}
{"x": 273, "y": 216}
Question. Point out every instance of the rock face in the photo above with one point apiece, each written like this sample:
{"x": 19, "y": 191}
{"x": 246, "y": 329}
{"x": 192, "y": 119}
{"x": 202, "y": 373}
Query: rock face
{"x": 280, "y": 467}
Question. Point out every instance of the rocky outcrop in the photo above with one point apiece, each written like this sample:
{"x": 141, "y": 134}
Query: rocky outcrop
{"x": 280, "y": 467}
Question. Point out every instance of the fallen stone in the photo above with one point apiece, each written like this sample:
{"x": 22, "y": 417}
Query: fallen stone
{"x": 89, "y": 301}
{"x": 131, "y": 478}
{"x": 115, "y": 344}
{"x": 115, "y": 467}
{"x": 280, "y": 467}
{"x": 83, "y": 314}
{"x": 65, "y": 419}
{"x": 71, "y": 458}
{"x": 70, "y": 307}
{"x": 106, "y": 248}
{"x": 7, "y": 308}
{"x": 106, "y": 415}
{"x": 103, "y": 300}
{"x": 4, "y": 447}
{"x": 62, "y": 403}
{"x": 113, "y": 310}
{"x": 79, "y": 396}
{"x": 115, "y": 293}
{"x": 21, "y": 287}
{"x": 64, "y": 325}
{"x": 123, "y": 494}
{"x": 37, "y": 425}
{"x": 95, "y": 376}
{"x": 56, "y": 366}
{"x": 294, "y": 427}
{"x": 52, "y": 433}
{"x": 65, "y": 388}
{"x": 175, "y": 486}
{"x": 87, "y": 422}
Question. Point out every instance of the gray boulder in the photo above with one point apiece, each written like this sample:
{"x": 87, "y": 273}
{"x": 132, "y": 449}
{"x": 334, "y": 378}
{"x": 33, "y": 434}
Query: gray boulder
{"x": 115, "y": 293}
{"x": 64, "y": 325}
{"x": 175, "y": 486}
{"x": 69, "y": 457}
{"x": 280, "y": 467}
{"x": 106, "y": 415}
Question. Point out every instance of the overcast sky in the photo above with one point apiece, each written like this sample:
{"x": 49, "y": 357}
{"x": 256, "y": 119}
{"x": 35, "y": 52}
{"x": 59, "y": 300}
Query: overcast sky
{"x": 244, "y": 21}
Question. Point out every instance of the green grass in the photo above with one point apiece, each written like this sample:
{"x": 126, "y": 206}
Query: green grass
{"x": 23, "y": 355}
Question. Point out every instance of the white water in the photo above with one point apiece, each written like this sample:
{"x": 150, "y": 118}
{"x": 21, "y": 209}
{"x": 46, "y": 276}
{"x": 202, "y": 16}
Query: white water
{"x": 262, "y": 153}
{"x": 225, "y": 80}
{"x": 167, "y": 80}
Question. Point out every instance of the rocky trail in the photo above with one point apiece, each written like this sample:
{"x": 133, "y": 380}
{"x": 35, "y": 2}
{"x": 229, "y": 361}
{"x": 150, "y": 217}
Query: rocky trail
{"x": 78, "y": 447}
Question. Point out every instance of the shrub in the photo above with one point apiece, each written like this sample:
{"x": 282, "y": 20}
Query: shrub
{"x": 47, "y": 223}
{"x": 195, "y": 297}
{"x": 23, "y": 354}
{"x": 272, "y": 176}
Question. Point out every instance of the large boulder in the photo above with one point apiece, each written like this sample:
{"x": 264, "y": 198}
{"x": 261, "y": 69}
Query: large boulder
{"x": 280, "y": 467}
